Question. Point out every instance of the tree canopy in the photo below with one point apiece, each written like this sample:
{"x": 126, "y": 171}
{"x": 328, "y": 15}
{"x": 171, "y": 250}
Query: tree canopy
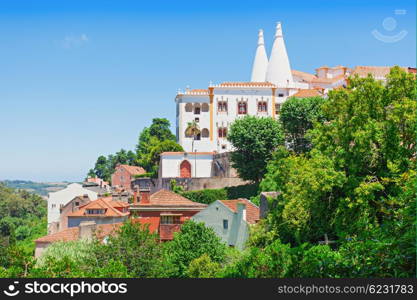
{"x": 254, "y": 140}
{"x": 297, "y": 117}
{"x": 152, "y": 141}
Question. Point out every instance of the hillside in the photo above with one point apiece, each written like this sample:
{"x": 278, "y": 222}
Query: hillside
{"x": 39, "y": 188}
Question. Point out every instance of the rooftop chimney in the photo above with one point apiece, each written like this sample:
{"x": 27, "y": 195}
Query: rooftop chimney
{"x": 87, "y": 229}
{"x": 241, "y": 211}
{"x": 144, "y": 195}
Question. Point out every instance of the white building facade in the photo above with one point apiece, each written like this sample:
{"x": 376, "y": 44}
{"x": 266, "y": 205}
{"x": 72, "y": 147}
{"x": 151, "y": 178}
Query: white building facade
{"x": 60, "y": 198}
{"x": 186, "y": 164}
{"x": 214, "y": 109}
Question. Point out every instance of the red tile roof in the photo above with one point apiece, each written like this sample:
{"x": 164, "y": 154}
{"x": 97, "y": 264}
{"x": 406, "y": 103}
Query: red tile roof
{"x": 199, "y": 91}
{"x": 249, "y": 84}
{"x": 190, "y": 153}
{"x": 133, "y": 170}
{"x": 165, "y": 198}
{"x": 110, "y": 207}
{"x": 252, "y": 211}
{"x": 305, "y": 76}
{"x": 328, "y": 80}
{"x": 306, "y": 93}
{"x": 363, "y": 71}
{"x": 72, "y": 233}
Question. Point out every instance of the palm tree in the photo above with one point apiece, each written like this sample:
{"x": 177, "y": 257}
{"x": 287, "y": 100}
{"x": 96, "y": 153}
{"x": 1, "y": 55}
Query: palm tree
{"x": 192, "y": 130}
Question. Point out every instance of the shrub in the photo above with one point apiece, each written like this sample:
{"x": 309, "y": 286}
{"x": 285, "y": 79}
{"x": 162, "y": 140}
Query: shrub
{"x": 203, "y": 267}
{"x": 193, "y": 241}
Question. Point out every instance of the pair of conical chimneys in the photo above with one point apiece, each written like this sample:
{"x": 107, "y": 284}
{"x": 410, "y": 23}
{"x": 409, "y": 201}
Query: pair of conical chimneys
{"x": 277, "y": 70}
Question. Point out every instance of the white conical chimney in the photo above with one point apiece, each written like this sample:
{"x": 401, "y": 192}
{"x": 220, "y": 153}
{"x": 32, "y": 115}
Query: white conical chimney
{"x": 260, "y": 64}
{"x": 279, "y": 70}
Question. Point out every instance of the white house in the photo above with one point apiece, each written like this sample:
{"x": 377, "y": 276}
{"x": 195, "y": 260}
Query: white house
{"x": 186, "y": 164}
{"x": 230, "y": 220}
{"x": 58, "y": 199}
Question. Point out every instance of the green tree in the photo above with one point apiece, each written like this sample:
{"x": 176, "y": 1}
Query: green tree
{"x": 160, "y": 129}
{"x": 101, "y": 168}
{"x": 203, "y": 267}
{"x": 193, "y": 241}
{"x": 254, "y": 140}
{"x": 151, "y": 161}
{"x": 297, "y": 117}
{"x": 273, "y": 261}
{"x": 91, "y": 173}
{"x": 357, "y": 184}
{"x": 136, "y": 248}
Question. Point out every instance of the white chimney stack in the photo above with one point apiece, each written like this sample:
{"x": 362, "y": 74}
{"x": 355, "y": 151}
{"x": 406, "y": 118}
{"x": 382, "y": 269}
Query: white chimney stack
{"x": 279, "y": 70}
{"x": 260, "y": 63}
{"x": 241, "y": 211}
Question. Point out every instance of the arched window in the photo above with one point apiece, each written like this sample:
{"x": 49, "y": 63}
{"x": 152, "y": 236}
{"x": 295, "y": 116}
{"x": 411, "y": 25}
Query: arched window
{"x": 188, "y": 107}
{"x": 242, "y": 108}
{"x": 197, "y": 108}
{"x": 205, "y": 107}
{"x": 205, "y": 133}
{"x": 185, "y": 169}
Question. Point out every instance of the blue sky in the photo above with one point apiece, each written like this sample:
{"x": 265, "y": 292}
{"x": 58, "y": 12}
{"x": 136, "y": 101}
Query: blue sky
{"x": 82, "y": 78}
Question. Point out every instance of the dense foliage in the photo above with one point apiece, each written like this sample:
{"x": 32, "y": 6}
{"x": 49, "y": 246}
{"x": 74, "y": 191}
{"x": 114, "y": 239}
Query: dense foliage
{"x": 254, "y": 140}
{"x": 346, "y": 206}
{"x": 208, "y": 196}
{"x": 297, "y": 116}
{"x": 22, "y": 219}
{"x": 153, "y": 140}
{"x": 357, "y": 184}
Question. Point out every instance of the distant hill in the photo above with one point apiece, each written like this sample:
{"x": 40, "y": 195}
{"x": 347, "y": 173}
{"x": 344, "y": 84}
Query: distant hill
{"x": 40, "y": 188}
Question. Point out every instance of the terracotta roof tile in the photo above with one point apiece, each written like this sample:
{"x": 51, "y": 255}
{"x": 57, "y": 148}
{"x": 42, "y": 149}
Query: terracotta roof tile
{"x": 248, "y": 84}
{"x": 199, "y": 91}
{"x": 377, "y": 72}
{"x": 306, "y": 93}
{"x": 328, "y": 80}
{"x": 169, "y": 199}
{"x": 190, "y": 153}
{"x": 72, "y": 233}
{"x": 107, "y": 203}
{"x": 133, "y": 170}
{"x": 305, "y": 76}
{"x": 252, "y": 211}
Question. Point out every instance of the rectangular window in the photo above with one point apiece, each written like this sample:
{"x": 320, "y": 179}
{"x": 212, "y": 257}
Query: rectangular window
{"x": 262, "y": 106}
{"x": 277, "y": 108}
{"x": 197, "y": 110}
{"x": 222, "y": 132}
{"x": 222, "y": 106}
{"x": 280, "y": 95}
{"x": 95, "y": 211}
{"x": 169, "y": 220}
{"x": 242, "y": 108}
{"x": 225, "y": 224}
